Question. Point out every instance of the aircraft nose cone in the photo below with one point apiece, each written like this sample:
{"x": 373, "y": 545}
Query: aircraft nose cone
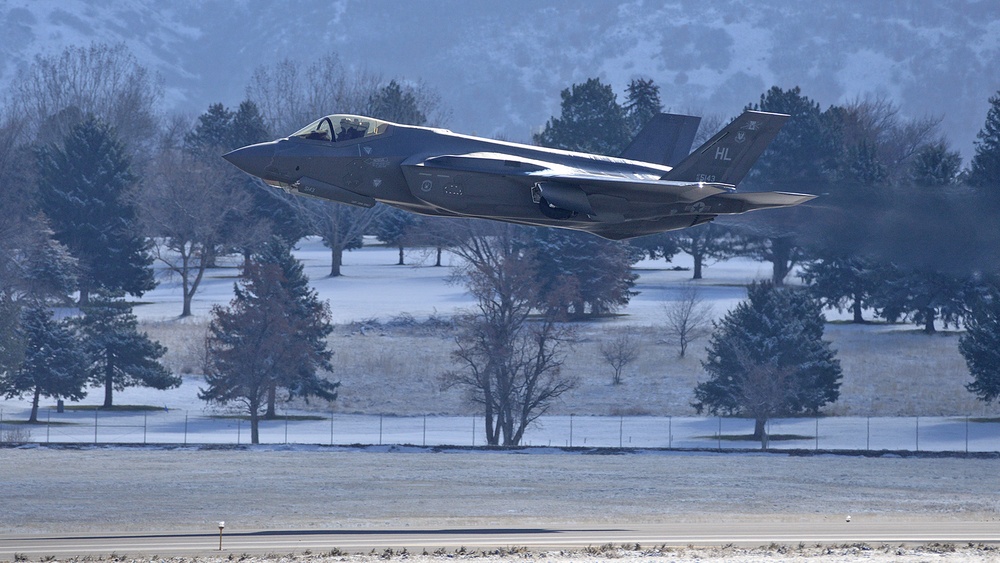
{"x": 252, "y": 159}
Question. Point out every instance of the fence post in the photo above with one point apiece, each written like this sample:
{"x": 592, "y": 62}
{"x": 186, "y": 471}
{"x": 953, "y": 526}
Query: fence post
{"x": 719, "y": 435}
{"x": 571, "y": 430}
{"x": 670, "y": 432}
{"x": 817, "y": 433}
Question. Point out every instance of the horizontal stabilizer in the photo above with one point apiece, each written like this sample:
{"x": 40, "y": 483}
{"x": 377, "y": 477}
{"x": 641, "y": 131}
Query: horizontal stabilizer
{"x": 752, "y": 201}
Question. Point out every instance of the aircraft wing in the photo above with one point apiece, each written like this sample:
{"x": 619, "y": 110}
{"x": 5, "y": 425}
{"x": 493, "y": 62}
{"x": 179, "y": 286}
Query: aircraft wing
{"x": 532, "y": 171}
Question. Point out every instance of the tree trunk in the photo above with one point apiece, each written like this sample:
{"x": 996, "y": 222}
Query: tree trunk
{"x": 336, "y": 259}
{"x": 254, "y": 427}
{"x": 438, "y": 261}
{"x": 109, "y": 381}
{"x": 929, "y": 321}
{"x": 34, "y": 405}
{"x": 272, "y": 394}
{"x": 698, "y": 259}
{"x": 400, "y": 263}
{"x": 858, "y": 319}
{"x": 759, "y": 431}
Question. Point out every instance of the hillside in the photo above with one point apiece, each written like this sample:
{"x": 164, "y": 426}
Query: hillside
{"x": 499, "y": 68}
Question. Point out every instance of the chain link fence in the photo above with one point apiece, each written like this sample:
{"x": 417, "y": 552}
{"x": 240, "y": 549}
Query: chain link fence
{"x": 174, "y": 427}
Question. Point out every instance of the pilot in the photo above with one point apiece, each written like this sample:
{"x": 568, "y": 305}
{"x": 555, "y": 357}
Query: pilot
{"x": 350, "y": 129}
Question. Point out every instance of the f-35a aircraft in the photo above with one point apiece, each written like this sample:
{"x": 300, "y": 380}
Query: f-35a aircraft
{"x": 654, "y": 186}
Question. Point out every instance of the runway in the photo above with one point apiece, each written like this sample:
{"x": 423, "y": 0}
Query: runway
{"x": 472, "y": 539}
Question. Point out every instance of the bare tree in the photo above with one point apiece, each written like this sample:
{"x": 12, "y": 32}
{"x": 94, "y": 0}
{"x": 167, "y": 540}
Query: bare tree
{"x": 340, "y": 226}
{"x": 290, "y": 95}
{"x": 509, "y": 364}
{"x": 620, "y": 351}
{"x": 56, "y": 91}
{"x": 687, "y": 319}
{"x": 186, "y": 207}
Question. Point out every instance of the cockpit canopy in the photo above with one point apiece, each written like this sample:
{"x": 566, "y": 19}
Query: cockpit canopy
{"x": 338, "y": 128}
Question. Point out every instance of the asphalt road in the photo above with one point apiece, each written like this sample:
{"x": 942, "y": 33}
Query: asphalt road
{"x": 416, "y": 540}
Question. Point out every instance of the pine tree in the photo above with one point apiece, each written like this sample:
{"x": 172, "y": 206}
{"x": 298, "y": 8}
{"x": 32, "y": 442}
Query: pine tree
{"x": 642, "y": 103}
{"x": 51, "y": 364}
{"x": 393, "y": 227}
{"x": 984, "y": 169}
{"x": 844, "y": 281}
{"x": 935, "y": 166}
{"x": 980, "y": 346}
{"x": 272, "y": 335}
{"x": 396, "y": 104}
{"x": 213, "y": 132}
{"x": 767, "y": 358}
{"x": 795, "y": 161}
{"x": 579, "y": 274}
{"x": 119, "y": 356}
{"x": 301, "y": 378}
{"x": 84, "y": 191}
{"x": 591, "y": 120}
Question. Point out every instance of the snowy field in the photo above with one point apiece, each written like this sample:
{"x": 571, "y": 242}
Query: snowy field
{"x": 889, "y": 371}
{"x": 901, "y": 390}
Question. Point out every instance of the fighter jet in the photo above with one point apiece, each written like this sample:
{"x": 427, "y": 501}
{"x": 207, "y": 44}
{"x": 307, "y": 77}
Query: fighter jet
{"x": 654, "y": 186}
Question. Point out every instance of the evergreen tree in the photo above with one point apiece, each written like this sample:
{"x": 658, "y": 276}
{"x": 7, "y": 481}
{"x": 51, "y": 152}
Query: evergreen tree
{"x": 300, "y": 379}
{"x": 51, "y": 365}
{"x": 984, "y": 170}
{"x": 796, "y": 161}
{"x": 265, "y": 339}
{"x": 84, "y": 191}
{"x": 935, "y": 166}
{"x": 767, "y": 358}
{"x": 393, "y": 228}
{"x": 980, "y": 346}
{"x": 642, "y": 103}
{"x": 119, "y": 356}
{"x": 591, "y": 121}
{"x": 214, "y": 132}
{"x": 397, "y": 104}
{"x": 844, "y": 281}
{"x": 923, "y": 296}
{"x": 579, "y": 274}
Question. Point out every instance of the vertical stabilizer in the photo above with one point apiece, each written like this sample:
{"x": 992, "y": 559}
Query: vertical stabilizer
{"x": 727, "y": 157}
{"x": 666, "y": 139}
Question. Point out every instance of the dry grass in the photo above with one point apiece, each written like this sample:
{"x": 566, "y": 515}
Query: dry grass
{"x": 395, "y": 369}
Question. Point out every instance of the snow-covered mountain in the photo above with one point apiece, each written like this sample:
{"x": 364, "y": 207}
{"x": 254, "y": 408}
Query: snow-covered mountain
{"x": 499, "y": 67}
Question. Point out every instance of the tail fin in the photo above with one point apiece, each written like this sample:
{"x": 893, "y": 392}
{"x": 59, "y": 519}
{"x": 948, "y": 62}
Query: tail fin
{"x": 666, "y": 139}
{"x": 727, "y": 157}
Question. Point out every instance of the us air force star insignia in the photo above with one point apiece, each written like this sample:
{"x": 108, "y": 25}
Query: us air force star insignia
{"x": 377, "y": 182}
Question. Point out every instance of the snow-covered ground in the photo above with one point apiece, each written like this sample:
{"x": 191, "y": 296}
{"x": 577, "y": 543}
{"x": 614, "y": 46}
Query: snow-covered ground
{"x": 373, "y": 287}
